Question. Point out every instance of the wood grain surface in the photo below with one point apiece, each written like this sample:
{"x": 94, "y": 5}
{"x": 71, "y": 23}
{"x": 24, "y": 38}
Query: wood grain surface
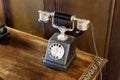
{"x": 21, "y": 57}
{"x": 112, "y": 70}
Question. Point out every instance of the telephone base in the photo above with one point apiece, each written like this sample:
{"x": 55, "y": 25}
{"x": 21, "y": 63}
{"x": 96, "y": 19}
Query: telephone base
{"x": 58, "y": 66}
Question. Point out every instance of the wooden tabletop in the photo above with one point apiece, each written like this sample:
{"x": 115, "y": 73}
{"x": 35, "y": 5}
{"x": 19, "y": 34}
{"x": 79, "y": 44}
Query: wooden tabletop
{"x": 21, "y": 56}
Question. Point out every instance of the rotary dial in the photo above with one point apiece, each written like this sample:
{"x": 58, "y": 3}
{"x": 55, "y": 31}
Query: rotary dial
{"x": 56, "y": 51}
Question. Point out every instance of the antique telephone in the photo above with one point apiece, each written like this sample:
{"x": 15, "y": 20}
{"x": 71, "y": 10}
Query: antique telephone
{"x": 61, "y": 47}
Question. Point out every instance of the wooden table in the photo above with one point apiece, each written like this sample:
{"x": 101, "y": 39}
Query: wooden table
{"x": 21, "y": 57}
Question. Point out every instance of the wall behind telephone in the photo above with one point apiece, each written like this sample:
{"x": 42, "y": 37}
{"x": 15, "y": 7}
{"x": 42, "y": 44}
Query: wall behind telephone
{"x": 23, "y": 16}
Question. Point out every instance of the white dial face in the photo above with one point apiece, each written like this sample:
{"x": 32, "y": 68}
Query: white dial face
{"x": 56, "y": 51}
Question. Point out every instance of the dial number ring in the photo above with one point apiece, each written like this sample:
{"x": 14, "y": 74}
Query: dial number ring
{"x": 56, "y": 51}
